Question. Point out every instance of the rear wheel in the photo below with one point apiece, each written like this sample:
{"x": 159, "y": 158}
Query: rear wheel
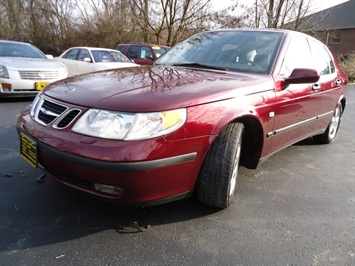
{"x": 329, "y": 135}
{"x": 218, "y": 175}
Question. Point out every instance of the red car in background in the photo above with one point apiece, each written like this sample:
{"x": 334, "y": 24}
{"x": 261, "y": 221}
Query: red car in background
{"x": 142, "y": 53}
{"x": 218, "y": 100}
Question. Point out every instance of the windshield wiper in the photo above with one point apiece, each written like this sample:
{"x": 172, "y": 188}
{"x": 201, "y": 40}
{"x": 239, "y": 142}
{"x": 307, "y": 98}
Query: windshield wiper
{"x": 197, "y": 65}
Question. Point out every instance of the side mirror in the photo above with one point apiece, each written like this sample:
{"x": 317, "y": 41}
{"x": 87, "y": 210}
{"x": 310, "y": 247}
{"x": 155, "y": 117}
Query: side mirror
{"x": 49, "y": 56}
{"x": 303, "y": 75}
{"x": 87, "y": 59}
{"x": 299, "y": 76}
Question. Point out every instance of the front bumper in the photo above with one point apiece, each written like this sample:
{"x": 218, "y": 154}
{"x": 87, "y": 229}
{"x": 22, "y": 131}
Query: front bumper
{"x": 169, "y": 175}
{"x": 17, "y": 87}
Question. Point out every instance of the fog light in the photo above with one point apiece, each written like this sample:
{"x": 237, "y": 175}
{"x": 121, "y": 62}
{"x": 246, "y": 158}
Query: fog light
{"x": 108, "y": 189}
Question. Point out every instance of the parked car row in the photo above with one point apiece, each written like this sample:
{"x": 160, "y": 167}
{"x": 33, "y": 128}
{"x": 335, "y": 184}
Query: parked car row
{"x": 153, "y": 134}
{"x": 25, "y": 70}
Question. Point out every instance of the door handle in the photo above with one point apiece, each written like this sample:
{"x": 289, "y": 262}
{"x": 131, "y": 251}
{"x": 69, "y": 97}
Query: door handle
{"x": 316, "y": 87}
{"x": 337, "y": 83}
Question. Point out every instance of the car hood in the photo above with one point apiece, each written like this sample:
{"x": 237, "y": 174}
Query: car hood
{"x": 29, "y": 63}
{"x": 152, "y": 88}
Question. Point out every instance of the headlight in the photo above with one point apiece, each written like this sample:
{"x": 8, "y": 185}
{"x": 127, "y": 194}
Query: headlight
{"x": 129, "y": 126}
{"x": 64, "y": 71}
{"x": 3, "y": 72}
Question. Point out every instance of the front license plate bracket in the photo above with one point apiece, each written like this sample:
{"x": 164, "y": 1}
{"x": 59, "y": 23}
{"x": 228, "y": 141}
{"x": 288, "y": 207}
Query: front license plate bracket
{"x": 28, "y": 150}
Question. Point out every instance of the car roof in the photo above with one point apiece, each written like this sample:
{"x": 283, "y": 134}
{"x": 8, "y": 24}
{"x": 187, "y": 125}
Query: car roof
{"x": 285, "y": 31}
{"x": 14, "y": 42}
{"x": 92, "y": 48}
{"x": 142, "y": 43}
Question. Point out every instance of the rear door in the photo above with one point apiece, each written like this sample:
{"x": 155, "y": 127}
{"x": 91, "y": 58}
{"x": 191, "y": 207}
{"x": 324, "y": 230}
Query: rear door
{"x": 330, "y": 82}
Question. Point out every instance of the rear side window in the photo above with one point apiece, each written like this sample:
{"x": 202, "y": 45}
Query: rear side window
{"x": 139, "y": 52}
{"x": 321, "y": 58}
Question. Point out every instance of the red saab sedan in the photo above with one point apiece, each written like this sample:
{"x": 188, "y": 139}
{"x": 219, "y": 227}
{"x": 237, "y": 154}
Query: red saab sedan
{"x": 218, "y": 100}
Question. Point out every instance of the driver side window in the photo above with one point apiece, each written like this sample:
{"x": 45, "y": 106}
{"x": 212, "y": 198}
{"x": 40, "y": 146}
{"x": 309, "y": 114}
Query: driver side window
{"x": 71, "y": 54}
{"x": 298, "y": 55}
{"x": 83, "y": 54}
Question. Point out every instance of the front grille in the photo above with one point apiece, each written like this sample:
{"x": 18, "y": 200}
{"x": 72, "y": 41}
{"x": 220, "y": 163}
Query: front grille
{"x": 38, "y": 75}
{"x": 47, "y": 111}
{"x": 67, "y": 119}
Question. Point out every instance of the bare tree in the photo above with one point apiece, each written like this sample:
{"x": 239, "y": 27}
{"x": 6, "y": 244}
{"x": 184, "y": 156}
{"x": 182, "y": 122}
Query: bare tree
{"x": 65, "y": 23}
{"x": 11, "y": 15}
{"x": 279, "y": 13}
{"x": 44, "y": 23}
{"x": 232, "y": 16}
{"x": 169, "y": 21}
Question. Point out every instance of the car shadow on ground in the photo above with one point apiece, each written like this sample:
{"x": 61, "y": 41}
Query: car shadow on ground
{"x": 40, "y": 211}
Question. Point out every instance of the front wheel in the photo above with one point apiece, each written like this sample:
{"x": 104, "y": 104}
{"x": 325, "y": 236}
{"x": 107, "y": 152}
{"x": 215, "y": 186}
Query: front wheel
{"x": 218, "y": 175}
{"x": 329, "y": 135}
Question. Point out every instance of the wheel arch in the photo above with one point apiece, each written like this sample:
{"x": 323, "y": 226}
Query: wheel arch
{"x": 252, "y": 141}
{"x": 342, "y": 101}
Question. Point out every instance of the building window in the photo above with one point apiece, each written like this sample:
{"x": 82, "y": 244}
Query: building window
{"x": 335, "y": 39}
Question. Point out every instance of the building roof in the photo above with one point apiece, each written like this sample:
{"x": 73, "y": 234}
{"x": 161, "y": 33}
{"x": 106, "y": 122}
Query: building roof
{"x": 341, "y": 16}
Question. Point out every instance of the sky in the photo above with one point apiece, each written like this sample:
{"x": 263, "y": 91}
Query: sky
{"x": 317, "y": 5}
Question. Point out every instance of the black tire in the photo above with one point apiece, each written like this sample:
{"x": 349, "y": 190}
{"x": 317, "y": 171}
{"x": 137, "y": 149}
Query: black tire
{"x": 218, "y": 175}
{"x": 329, "y": 135}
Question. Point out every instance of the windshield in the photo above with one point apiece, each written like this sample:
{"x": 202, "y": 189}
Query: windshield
{"x": 243, "y": 51}
{"x": 109, "y": 56}
{"x": 20, "y": 50}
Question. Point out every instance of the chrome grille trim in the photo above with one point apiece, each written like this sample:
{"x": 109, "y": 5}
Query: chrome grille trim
{"x": 38, "y": 75}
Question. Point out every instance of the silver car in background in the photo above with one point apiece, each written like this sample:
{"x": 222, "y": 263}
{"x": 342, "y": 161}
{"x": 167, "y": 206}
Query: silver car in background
{"x": 80, "y": 60}
{"x": 25, "y": 70}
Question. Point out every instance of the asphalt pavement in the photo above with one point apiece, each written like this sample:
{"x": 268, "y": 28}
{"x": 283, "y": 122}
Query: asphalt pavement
{"x": 298, "y": 208}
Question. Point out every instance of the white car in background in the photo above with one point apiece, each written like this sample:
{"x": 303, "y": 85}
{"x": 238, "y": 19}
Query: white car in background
{"x": 80, "y": 60}
{"x": 25, "y": 70}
